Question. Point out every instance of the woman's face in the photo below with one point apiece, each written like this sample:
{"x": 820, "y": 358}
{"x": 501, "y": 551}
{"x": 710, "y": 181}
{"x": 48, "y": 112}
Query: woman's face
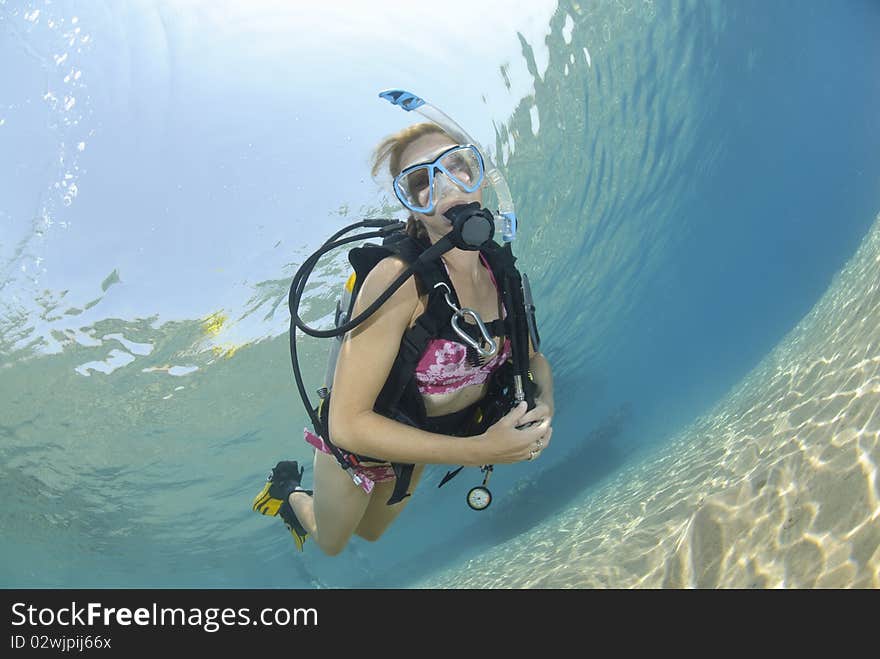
{"x": 446, "y": 194}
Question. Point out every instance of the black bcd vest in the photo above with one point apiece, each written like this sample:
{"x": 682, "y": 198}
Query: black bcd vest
{"x": 400, "y": 398}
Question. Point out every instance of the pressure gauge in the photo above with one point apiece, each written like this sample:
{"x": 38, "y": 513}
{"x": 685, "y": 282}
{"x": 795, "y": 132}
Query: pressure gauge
{"x": 479, "y": 498}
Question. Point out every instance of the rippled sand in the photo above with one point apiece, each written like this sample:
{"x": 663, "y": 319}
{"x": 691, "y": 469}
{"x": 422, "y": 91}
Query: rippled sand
{"x": 777, "y": 487}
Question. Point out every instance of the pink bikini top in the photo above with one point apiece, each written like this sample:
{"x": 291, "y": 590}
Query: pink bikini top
{"x": 445, "y": 368}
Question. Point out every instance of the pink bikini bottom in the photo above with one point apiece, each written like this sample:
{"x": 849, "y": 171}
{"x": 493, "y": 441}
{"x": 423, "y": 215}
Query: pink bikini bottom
{"x": 363, "y": 476}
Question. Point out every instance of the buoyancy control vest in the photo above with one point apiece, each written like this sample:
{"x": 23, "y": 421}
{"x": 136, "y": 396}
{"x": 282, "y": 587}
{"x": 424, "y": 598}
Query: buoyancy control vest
{"x": 400, "y": 398}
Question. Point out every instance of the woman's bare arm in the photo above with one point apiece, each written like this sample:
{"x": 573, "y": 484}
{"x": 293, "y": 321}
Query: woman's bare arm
{"x": 365, "y": 360}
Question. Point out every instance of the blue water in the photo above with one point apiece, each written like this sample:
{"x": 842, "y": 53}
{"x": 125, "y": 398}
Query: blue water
{"x": 690, "y": 178}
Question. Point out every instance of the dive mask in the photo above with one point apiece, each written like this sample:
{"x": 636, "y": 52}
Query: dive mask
{"x": 421, "y": 187}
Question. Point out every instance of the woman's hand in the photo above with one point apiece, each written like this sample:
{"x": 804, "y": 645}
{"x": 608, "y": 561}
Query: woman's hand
{"x": 540, "y": 412}
{"x": 510, "y": 440}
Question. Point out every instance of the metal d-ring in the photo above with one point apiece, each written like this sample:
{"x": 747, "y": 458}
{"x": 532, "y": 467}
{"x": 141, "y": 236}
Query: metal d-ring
{"x": 485, "y": 353}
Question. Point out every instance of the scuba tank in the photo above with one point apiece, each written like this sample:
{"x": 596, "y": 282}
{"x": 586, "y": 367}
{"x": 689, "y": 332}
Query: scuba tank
{"x": 343, "y": 313}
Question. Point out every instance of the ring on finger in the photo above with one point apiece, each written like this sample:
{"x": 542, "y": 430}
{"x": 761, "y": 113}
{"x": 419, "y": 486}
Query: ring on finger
{"x": 539, "y": 444}
{"x": 533, "y": 455}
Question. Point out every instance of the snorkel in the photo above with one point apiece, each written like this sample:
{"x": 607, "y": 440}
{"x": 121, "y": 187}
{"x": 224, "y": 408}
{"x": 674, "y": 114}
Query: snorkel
{"x": 409, "y": 102}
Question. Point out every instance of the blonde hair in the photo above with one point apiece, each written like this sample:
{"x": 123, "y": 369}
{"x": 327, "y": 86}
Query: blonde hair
{"x": 391, "y": 149}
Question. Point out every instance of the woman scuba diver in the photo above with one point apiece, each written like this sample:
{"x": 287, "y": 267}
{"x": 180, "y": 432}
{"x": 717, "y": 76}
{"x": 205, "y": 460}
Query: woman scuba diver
{"x": 451, "y": 404}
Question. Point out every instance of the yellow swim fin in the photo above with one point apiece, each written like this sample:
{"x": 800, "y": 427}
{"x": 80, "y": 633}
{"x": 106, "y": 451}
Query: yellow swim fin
{"x": 273, "y": 498}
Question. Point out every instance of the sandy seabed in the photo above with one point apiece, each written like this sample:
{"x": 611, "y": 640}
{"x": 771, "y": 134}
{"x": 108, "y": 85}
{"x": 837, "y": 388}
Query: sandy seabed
{"x": 777, "y": 487}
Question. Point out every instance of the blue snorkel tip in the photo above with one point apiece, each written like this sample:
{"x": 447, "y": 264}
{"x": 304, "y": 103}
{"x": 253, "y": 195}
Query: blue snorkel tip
{"x": 406, "y": 100}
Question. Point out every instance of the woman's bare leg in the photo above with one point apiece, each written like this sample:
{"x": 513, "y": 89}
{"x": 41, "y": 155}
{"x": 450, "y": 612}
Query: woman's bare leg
{"x": 334, "y": 511}
{"x": 339, "y": 508}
